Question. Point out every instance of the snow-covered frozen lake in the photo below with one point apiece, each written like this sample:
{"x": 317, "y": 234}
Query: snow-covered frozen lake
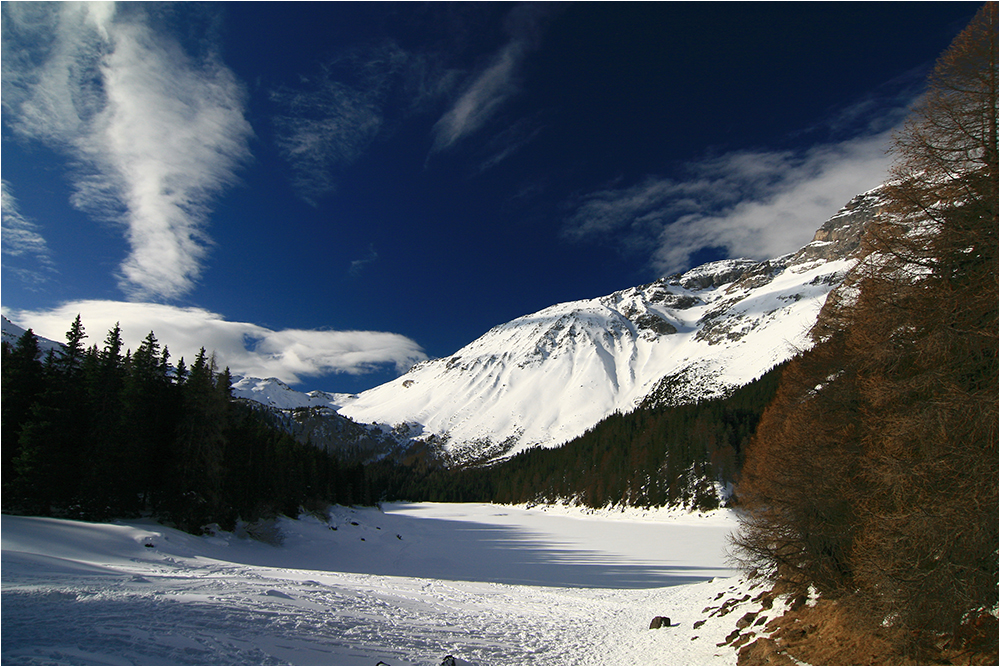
{"x": 409, "y": 584}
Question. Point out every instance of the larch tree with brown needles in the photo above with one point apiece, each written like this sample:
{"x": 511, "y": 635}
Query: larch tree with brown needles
{"x": 875, "y": 471}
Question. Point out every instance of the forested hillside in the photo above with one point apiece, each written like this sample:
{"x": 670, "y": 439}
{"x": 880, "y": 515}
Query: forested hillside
{"x": 651, "y": 457}
{"x": 98, "y": 433}
{"x": 680, "y": 456}
{"x": 873, "y": 476}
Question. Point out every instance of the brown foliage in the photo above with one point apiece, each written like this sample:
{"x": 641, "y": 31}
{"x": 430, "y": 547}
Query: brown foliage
{"x": 801, "y": 520}
{"x": 829, "y": 633}
{"x": 876, "y": 468}
{"x": 925, "y": 343}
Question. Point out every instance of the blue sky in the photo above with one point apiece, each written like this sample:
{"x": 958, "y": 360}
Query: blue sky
{"x": 329, "y": 192}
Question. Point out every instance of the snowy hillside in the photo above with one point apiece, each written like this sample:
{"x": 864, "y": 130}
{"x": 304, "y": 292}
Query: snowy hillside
{"x": 485, "y": 584}
{"x": 546, "y": 378}
{"x": 276, "y": 394}
{"x": 11, "y": 332}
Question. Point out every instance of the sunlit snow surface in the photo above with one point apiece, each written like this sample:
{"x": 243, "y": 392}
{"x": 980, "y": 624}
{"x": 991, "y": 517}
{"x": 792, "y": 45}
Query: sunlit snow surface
{"x": 411, "y": 584}
{"x": 545, "y": 378}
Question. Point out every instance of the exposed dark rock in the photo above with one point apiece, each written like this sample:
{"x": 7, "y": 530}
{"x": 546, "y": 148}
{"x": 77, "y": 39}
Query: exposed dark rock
{"x": 659, "y": 622}
{"x": 654, "y": 324}
{"x": 714, "y": 274}
{"x": 730, "y": 637}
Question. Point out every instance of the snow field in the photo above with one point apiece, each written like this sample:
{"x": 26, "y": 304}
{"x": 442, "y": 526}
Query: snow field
{"x": 408, "y": 585}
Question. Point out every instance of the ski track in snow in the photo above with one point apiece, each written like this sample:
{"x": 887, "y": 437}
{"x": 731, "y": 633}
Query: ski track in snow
{"x": 409, "y": 585}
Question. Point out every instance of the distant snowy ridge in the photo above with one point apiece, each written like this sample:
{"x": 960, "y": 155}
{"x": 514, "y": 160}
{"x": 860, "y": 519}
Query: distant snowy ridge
{"x": 276, "y": 394}
{"x": 545, "y": 378}
{"x": 11, "y": 332}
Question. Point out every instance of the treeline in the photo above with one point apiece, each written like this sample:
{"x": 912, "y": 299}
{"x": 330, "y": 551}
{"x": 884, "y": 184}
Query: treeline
{"x": 651, "y": 457}
{"x": 675, "y": 455}
{"x": 874, "y": 473}
{"x": 97, "y": 433}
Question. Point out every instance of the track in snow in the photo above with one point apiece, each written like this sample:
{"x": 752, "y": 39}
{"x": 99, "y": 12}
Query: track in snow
{"x": 426, "y": 581}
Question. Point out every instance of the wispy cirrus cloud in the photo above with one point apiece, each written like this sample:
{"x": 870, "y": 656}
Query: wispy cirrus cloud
{"x": 481, "y": 99}
{"x": 358, "y": 265}
{"x": 247, "y": 349}
{"x": 329, "y": 119}
{"x": 325, "y": 124}
{"x": 490, "y": 88}
{"x": 155, "y": 134}
{"x": 21, "y": 239}
{"x": 755, "y": 204}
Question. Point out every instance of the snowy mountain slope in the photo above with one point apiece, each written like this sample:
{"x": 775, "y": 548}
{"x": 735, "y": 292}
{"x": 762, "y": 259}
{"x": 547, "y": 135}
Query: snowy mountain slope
{"x": 10, "y": 333}
{"x": 275, "y": 393}
{"x": 545, "y": 378}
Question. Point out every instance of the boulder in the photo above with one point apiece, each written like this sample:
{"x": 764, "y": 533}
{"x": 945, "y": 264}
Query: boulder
{"x": 659, "y": 622}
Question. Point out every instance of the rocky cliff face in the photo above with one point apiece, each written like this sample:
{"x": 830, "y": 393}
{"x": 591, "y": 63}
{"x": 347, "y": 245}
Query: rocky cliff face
{"x": 840, "y": 236}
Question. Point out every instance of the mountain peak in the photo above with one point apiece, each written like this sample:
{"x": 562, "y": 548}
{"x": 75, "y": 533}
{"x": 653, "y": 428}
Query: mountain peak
{"x": 545, "y": 378}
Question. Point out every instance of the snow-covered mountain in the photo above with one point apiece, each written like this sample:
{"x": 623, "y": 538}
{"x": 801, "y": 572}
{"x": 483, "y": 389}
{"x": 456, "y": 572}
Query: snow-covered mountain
{"x": 276, "y": 394}
{"x": 545, "y": 378}
{"x": 11, "y": 332}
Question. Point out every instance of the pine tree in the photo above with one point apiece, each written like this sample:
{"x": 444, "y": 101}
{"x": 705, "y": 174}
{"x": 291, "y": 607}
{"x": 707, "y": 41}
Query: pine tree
{"x": 105, "y": 447}
{"x": 200, "y": 442}
{"x": 23, "y": 382}
{"x": 73, "y": 350}
{"x": 21, "y": 375}
{"x": 147, "y": 422}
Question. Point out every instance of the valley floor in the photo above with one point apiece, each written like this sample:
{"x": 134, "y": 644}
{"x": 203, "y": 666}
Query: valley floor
{"x": 409, "y": 584}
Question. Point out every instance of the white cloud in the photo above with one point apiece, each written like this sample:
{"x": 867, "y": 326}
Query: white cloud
{"x": 494, "y": 85}
{"x": 155, "y": 134}
{"x": 754, "y": 204}
{"x": 481, "y": 98}
{"x": 247, "y": 349}
{"x": 330, "y": 119}
{"x": 358, "y": 265}
{"x": 20, "y": 235}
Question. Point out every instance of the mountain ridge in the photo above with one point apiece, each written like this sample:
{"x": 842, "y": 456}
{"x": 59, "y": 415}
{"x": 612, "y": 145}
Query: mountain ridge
{"x": 546, "y": 377}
